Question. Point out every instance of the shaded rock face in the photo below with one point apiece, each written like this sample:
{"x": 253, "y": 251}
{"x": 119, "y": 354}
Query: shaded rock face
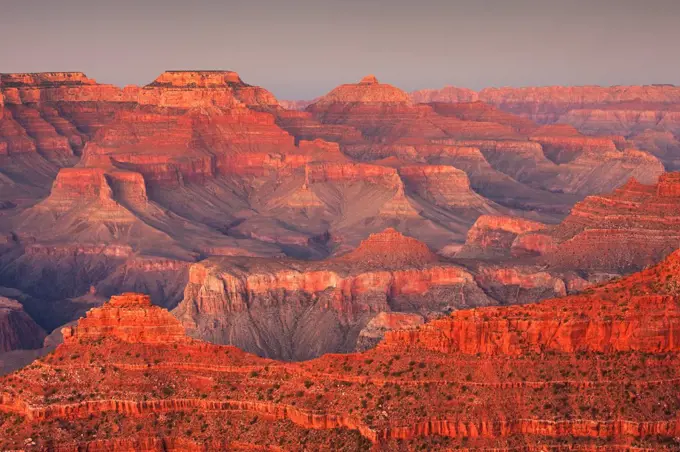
{"x": 18, "y": 331}
{"x": 298, "y": 310}
{"x": 486, "y": 378}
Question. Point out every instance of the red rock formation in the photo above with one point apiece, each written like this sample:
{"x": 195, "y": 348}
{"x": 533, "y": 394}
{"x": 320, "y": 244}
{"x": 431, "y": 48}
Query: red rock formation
{"x": 129, "y": 318}
{"x": 598, "y": 369}
{"x": 517, "y": 285}
{"x": 485, "y": 113}
{"x": 443, "y": 185}
{"x": 547, "y": 104}
{"x": 634, "y": 226}
{"x": 226, "y": 299}
{"x": 368, "y": 90}
{"x": 592, "y": 323}
{"x": 493, "y": 235}
{"x": 391, "y": 249}
{"x": 375, "y": 330}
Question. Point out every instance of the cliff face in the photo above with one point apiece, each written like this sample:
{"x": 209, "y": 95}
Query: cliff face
{"x": 634, "y": 226}
{"x": 495, "y": 235}
{"x": 623, "y": 231}
{"x": 598, "y": 370}
{"x": 129, "y": 318}
{"x": 297, "y": 310}
{"x": 18, "y": 331}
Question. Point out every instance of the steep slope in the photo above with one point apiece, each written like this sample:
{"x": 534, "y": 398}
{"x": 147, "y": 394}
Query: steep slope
{"x": 596, "y": 371}
{"x": 297, "y": 310}
{"x": 17, "y": 330}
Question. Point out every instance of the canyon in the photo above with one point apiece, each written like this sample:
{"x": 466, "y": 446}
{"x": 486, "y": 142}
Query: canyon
{"x": 593, "y": 371}
{"x": 193, "y": 264}
{"x": 247, "y": 219}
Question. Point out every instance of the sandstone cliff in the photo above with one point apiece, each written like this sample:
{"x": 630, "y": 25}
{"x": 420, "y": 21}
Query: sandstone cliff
{"x": 297, "y": 310}
{"x": 596, "y": 371}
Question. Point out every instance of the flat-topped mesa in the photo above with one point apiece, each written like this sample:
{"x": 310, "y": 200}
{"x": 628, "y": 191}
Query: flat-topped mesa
{"x": 390, "y": 248}
{"x": 368, "y": 91}
{"x": 441, "y": 184}
{"x": 79, "y": 185}
{"x": 197, "y": 79}
{"x": 45, "y": 79}
{"x": 129, "y": 317}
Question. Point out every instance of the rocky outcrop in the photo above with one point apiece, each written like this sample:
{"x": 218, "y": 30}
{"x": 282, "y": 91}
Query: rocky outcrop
{"x": 517, "y": 285}
{"x": 441, "y": 184}
{"x": 494, "y": 236}
{"x": 297, "y": 310}
{"x": 390, "y": 249}
{"x": 129, "y": 318}
{"x": 633, "y": 226}
{"x": 375, "y": 330}
{"x": 368, "y": 90}
{"x": 648, "y": 323}
{"x": 17, "y": 330}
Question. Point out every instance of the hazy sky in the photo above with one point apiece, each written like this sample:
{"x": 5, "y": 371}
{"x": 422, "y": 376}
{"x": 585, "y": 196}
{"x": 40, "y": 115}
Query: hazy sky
{"x": 300, "y": 49}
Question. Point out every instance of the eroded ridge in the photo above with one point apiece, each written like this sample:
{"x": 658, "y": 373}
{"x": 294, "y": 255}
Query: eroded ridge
{"x": 598, "y": 371}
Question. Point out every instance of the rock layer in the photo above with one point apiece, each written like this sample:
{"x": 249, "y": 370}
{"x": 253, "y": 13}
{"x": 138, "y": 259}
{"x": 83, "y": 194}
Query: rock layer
{"x": 598, "y": 370}
{"x": 297, "y": 310}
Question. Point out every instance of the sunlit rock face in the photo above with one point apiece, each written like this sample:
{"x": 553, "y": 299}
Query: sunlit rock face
{"x": 602, "y": 349}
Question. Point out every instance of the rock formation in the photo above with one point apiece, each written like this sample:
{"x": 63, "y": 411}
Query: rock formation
{"x": 296, "y": 310}
{"x": 597, "y": 370}
{"x": 626, "y": 230}
{"x": 17, "y": 330}
{"x": 494, "y": 235}
{"x": 111, "y": 189}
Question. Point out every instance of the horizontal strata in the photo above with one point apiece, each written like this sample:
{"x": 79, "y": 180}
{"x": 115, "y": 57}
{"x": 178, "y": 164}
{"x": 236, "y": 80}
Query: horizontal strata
{"x": 593, "y": 368}
{"x": 318, "y": 420}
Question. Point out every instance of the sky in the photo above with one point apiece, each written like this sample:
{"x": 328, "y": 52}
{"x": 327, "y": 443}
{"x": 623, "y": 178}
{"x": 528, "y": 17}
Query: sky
{"x": 300, "y": 49}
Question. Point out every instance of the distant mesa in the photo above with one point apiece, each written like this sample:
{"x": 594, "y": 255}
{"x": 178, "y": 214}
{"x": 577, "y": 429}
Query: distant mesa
{"x": 45, "y": 79}
{"x": 199, "y": 79}
{"x": 368, "y": 90}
